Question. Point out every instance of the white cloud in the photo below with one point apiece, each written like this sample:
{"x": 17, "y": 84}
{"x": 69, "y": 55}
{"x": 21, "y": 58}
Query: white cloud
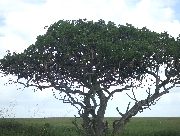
{"x": 13, "y": 43}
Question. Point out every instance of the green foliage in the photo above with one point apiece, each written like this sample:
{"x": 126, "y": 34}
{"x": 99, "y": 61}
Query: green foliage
{"x": 73, "y": 48}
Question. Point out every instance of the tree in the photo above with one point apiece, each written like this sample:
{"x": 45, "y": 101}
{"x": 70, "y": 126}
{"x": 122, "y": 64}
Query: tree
{"x": 83, "y": 59}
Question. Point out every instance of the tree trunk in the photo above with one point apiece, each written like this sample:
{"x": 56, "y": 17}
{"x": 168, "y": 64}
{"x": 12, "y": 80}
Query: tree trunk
{"x": 99, "y": 120}
{"x": 98, "y": 127}
{"x": 119, "y": 126}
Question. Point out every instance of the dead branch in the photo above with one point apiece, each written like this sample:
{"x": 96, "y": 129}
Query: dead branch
{"x": 132, "y": 98}
{"x": 119, "y": 90}
{"x": 119, "y": 111}
{"x": 128, "y": 106}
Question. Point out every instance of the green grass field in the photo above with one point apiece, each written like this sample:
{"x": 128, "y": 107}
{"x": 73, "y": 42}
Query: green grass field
{"x": 151, "y": 126}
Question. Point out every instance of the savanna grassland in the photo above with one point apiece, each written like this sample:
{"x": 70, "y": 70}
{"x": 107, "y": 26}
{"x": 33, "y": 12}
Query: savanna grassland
{"x": 138, "y": 126}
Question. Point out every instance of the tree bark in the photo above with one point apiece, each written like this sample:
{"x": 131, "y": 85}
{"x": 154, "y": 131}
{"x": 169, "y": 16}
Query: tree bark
{"x": 117, "y": 128}
{"x": 99, "y": 120}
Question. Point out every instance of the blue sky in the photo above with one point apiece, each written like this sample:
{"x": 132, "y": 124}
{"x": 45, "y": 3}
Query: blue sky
{"x": 21, "y": 21}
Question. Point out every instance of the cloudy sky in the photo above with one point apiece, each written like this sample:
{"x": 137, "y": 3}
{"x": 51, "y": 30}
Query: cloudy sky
{"x": 21, "y": 21}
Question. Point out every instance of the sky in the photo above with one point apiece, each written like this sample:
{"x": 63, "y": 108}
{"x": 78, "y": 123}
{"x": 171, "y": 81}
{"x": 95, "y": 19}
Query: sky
{"x": 21, "y": 21}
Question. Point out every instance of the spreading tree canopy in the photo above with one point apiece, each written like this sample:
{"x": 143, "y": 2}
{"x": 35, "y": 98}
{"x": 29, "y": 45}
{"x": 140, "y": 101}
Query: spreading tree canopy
{"x": 78, "y": 54}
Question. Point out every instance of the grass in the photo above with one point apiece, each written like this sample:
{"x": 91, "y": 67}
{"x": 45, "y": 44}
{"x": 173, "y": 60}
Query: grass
{"x": 151, "y": 126}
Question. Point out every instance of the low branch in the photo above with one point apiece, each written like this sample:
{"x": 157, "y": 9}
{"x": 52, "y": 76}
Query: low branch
{"x": 119, "y": 111}
{"x": 138, "y": 107}
{"x": 133, "y": 95}
{"x": 120, "y": 90}
{"x": 128, "y": 106}
{"x": 67, "y": 91}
